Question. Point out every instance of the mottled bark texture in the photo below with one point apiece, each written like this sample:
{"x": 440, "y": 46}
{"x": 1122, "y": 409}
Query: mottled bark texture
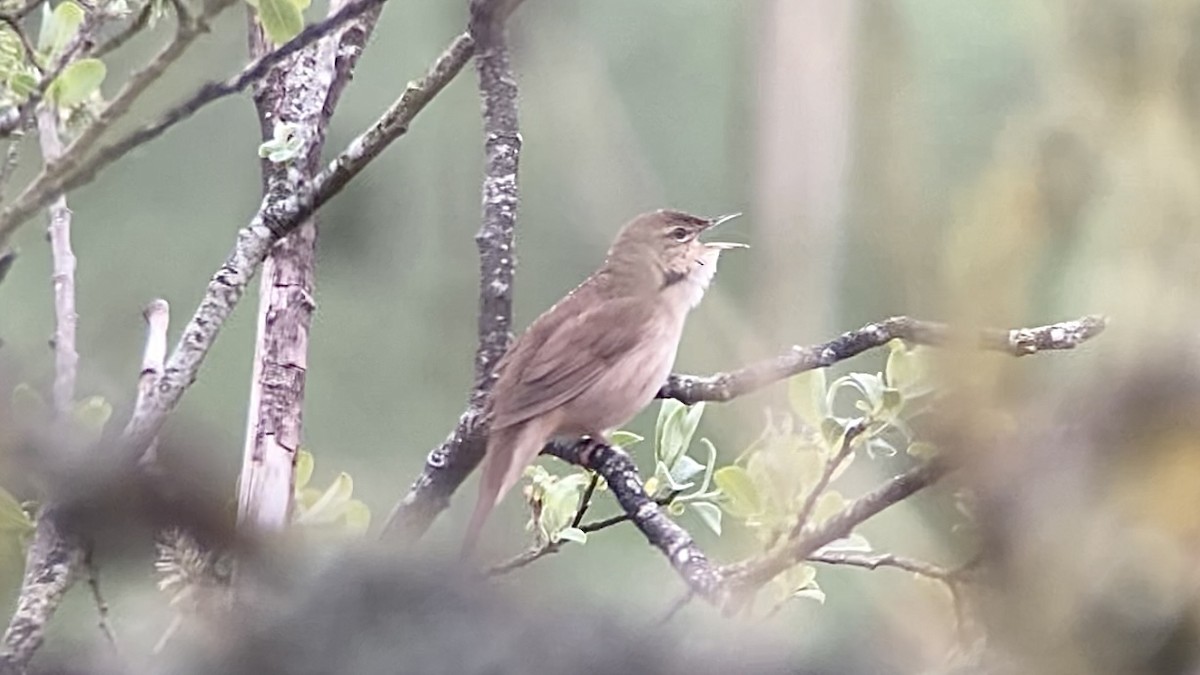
{"x": 621, "y": 474}
{"x": 1016, "y": 342}
{"x": 302, "y": 92}
{"x": 54, "y": 558}
{"x": 448, "y": 465}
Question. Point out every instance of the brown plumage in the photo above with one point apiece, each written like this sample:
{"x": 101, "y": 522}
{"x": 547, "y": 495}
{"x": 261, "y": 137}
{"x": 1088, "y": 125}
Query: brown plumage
{"x": 592, "y": 361}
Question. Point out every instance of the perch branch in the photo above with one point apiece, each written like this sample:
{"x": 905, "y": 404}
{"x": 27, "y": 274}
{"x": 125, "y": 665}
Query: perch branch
{"x": 1016, "y": 342}
{"x": 450, "y": 463}
{"x": 621, "y": 475}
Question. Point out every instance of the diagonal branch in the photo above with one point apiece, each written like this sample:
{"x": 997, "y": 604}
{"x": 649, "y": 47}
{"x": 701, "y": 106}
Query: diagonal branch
{"x": 1017, "y": 342}
{"x": 449, "y": 464}
{"x": 621, "y": 474}
{"x": 76, "y": 170}
{"x": 254, "y": 241}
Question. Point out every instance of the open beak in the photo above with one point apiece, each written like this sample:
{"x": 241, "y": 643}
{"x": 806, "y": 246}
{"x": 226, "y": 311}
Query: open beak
{"x": 723, "y": 245}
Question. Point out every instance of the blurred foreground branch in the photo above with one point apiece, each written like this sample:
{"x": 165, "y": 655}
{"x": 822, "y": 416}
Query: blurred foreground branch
{"x": 53, "y": 557}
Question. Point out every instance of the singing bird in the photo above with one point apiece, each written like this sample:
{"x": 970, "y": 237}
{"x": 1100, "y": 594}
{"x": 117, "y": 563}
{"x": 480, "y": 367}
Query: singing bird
{"x": 598, "y": 356}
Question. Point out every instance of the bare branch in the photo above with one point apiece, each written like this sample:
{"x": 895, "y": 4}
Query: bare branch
{"x": 1017, "y": 342}
{"x": 254, "y": 241}
{"x": 872, "y": 562}
{"x": 127, "y": 33}
{"x": 75, "y": 170}
{"x": 810, "y": 502}
{"x": 751, "y": 574}
{"x": 621, "y": 474}
{"x": 525, "y": 557}
{"x": 93, "y": 572}
{"x": 66, "y": 358}
{"x": 154, "y": 356}
{"x": 53, "y": 557}
{"x": 450, "y": 463}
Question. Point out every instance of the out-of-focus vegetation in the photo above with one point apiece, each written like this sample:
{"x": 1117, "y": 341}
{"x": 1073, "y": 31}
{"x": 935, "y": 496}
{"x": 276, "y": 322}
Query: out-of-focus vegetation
{"x": 998, "y": 162}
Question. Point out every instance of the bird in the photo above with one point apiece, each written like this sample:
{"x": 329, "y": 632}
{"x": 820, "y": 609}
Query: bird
{"x": 592, "y": 361}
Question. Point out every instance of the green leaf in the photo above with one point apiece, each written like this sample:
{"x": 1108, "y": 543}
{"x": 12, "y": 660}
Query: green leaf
{"x": 27, "y": 404}
{"x": 280, "y": 19}
{"x": 357, "y": 516}
{"x": 663, "y": 474}
{"x": 709, "y": 513}
{"x": 922, "y": 450}
{"x": 742, "y": 495}
{"x": 78, "y": 82}
{"x": 624, "y": 438}
{"x": 829, "y": 503}
{"x": 12, "y": 517}
{"x": 92, "y": 414}
{"x": 668, "y": 440}
{"x": 22, "y": 84}
{"x": 59, "y": 27}
{"x": 305, "y": 462}
{"x": 806, "y": 392}
{"x": 571, "y": 534}
{"x": 302, "y": 4}
{"x": 812, "y": 592}
{"x": 684, "y": 470}
{"x": 329, "y": 507}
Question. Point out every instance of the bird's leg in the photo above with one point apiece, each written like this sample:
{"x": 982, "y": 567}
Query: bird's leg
{"x": 588, "y": 444}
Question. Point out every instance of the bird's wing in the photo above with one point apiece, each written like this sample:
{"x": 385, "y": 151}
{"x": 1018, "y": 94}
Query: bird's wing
{"x": 563, "y": 353}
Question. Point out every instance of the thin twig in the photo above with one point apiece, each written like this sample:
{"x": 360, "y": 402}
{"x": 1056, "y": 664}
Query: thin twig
{"x": 872, "y": 562}
{"x": 621, "y": 475}
{"x": 75, "y": 170}
{"x": 810, "y": 502}
{"x": 1016, "y": 342}
{"x": 127, "y": 33}
{"x": 158, "y": 321}
{"x": 102, "y": 622}
{"x": 530, "y": 555}
{"x": 751, "y": 574}
{"x": 585, "y": 500}
{"x": 66, "y": 358}
{"x": 677, "y": 606}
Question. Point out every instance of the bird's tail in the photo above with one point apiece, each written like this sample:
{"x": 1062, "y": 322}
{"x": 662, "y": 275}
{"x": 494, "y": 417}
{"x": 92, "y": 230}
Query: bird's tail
{"x": 509, "y": 451}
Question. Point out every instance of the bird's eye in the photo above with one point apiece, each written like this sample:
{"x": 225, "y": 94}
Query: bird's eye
{"x": 680, "y": 234}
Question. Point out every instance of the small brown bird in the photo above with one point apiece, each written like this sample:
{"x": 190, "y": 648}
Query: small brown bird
{"x": 598, "y": 356}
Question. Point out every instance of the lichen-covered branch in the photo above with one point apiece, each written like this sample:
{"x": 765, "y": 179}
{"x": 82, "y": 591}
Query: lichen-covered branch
{"x": 1017, "y": 342}
{"x": 621, "y": 474}
{"x": 449, "y": 464}
{"x": 53, "y": 558}
{"x": 302, "y": 92}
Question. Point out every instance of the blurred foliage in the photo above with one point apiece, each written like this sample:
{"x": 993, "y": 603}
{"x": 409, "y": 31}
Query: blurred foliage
{"x": 1009, "y": 162}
